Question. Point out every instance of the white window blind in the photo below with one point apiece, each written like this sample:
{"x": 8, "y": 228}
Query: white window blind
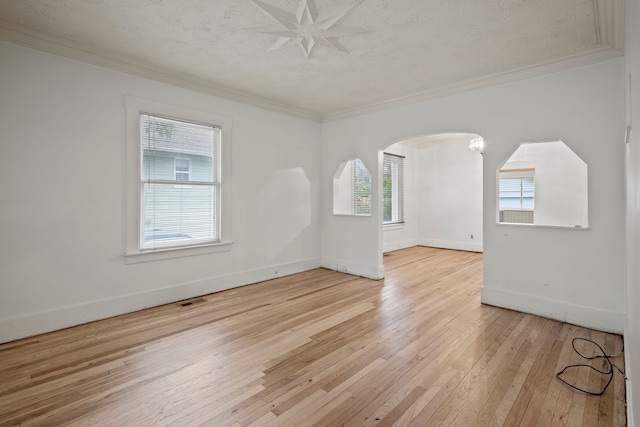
{"x": 180, "y": 183}
{"x": 361, "y": 189}
{"x": 392, "y": 189}
{"x": 516, "y": 193}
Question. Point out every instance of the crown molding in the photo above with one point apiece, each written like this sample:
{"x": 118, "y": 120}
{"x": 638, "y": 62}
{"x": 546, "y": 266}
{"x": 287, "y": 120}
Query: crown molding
{"x": 33, "y": 39}
{"x": 610, "y": 18}
{"x": 610, "y": 21}
{"x": 609, "y": 15}
{"x": 567, "y": 63}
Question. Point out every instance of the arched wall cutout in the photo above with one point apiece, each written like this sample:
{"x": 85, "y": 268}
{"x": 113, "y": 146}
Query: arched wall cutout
{"x": 543, "y": 184}
{"x": 352, "y": 189}
{"x": 442, "y": 193}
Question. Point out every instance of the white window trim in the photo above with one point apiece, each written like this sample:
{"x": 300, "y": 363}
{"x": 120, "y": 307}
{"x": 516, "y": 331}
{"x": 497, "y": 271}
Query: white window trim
{"x": 134, "y": 107}
{"x": 397, "y": 196}
{"x": 393, "y": 226}
{"x": 557, "y": 227}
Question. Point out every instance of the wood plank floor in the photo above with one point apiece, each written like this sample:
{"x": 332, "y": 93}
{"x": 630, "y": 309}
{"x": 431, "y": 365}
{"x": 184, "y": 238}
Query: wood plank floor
{"x": 317, "y": 348}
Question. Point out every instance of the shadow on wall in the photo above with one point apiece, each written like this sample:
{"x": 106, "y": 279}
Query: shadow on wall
{"x": 284, "y": 210}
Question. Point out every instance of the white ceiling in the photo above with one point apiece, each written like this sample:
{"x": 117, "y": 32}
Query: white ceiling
{"x": 374, "y": 54}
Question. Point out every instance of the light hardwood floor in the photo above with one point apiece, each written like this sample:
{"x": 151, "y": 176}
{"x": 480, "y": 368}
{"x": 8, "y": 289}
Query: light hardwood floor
{"x": 317, "y": 348}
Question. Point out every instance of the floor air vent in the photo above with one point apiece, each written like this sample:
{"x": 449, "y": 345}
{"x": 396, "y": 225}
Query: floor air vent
{"x": 190, "y": 302}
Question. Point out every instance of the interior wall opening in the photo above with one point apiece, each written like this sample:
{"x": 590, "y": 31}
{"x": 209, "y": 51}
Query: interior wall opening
{"x": 433, "y": 197}
{"x": 543, "y": 184}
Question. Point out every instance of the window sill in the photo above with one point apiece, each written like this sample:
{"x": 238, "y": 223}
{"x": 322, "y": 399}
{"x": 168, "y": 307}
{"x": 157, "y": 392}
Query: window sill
{"x": 169, "y": 253}
{"x": 393, "y": 226}
{"x": 560, "y": 227}
{"x": 356, "y": 215}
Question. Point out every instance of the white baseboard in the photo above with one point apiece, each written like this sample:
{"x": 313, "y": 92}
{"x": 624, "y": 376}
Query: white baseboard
{"x": 629, "y": 375}
{"x": 26, "y": 325}
{"x": 364, "y": 270}
{"x": 588, "y": 317}
{"x": 394, "y": 246}
{"x": 449, "y": 244}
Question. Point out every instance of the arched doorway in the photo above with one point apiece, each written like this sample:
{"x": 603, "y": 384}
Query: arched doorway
{"x": 438, "y": 199}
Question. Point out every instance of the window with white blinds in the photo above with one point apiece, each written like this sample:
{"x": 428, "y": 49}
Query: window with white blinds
{"x": 179, "y": 183}
{"x": 361, "y": 189}
{"x": 516, "y": 193}
{"x": 392, "y": 189}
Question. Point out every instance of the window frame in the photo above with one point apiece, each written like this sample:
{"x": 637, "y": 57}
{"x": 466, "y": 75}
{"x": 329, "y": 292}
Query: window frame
{"x": 520, "y": 175}
{"x": 133, "y": 206}
{"x": 176, "y": 171}
{"x": 151, "y": 180}
{"x": 397, "y": 188}
{"x": 521, "y": 179}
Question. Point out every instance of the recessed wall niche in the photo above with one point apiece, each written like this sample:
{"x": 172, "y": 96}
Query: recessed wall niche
{"x": 352, "y": 189}
{"x": 545, "y": 184}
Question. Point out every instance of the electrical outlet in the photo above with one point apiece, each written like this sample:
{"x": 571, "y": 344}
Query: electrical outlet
{"x": 472, "y": 237}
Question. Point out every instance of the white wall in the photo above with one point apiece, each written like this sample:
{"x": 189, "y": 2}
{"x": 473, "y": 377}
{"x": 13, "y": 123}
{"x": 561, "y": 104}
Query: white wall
{"x": 62, "y": 220}
{"x": 449, "y": 189}
{"x": 62, "y": 217}
{"x": 575, "y": 276}
{"x": 632, "y": 331}
{"x": 343, "y": 189}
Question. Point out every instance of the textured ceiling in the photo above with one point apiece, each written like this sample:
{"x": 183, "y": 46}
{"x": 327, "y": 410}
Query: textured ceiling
{"x": 380, "y": 50}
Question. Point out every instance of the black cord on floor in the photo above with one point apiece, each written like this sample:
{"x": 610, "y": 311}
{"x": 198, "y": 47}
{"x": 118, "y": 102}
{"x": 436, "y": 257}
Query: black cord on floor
{"x": 605, "y": 356}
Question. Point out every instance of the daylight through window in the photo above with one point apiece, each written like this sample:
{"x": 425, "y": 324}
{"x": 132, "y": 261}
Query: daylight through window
{"x": 516, "y": 188}
{"x": 361, "y": 189}
{"x": 392, "y": 189}
{"x": 180, "y": 174}
{"x": 516, "y": 193}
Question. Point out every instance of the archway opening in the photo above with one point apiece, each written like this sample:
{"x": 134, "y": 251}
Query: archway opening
{"x": 441, "y": 193}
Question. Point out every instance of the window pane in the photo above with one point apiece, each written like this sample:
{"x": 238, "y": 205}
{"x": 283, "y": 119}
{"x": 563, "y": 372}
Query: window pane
{"x": 177, "y": 157}
{"x": 178, "y": 214}
{"x": 510, "y": 187}
{"x": 392, "y": 189}
{"x": 527, "y": 202}
{"x": 182, "y": 165}
{"x": 387, "y": 193}
{"x": 510, "y": 202}
{"x": 361, "y": 189}
{"x": 510, "y": 193}
{"x": 170, "y": 146}
{"x": 516, "y": 193}
{"x": 527, "y": 187}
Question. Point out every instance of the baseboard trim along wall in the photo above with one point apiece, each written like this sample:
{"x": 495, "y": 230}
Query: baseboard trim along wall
{"x": 629, "y": 376}
{"x": 344, "y": 266}
{"x": 588, "y": 317}
{"x": 13, "y": 328}
{"x": 449, "y": 244}
{"x": 395, "y": 246}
